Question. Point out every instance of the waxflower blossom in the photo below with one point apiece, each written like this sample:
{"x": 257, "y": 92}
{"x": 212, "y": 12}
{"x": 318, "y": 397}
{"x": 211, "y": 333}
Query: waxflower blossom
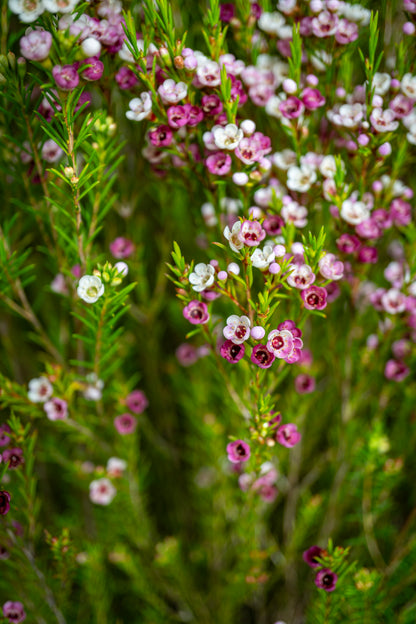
{"x": 219, "y": 163}
{"x": 56, "y": 409}
{"x": 288, "y": 435}
{"x": 309, "y": 556}
{"x": 140, "y": 107}
{"x": 93, "y": 391}
{"x": 304, "y": 384}
{"x": 300, "y": 178}
{"x": 202, "y": 277}
{"x": 121, "y": 247}
{"x": 237, "y": 329}
{"x": 238, "y": 451}
{"x": 66, "y": 77}
{"x": 14, "y": 457}
{"x": 314, "y": 298}
{"x": 36, "y": 44}
{"x": 196, "y": 312}
{"x": 262, "y": 258}
{"x": 51, "y": 152}
{"x": 115, "y": 467}
{"x": 300, "y": 276}
{"x": 102, "y": 491}
{"x": 292, "y": 212}
{"x": 90, "y": 288}
{"x": 40, "y": 390}
{"x": 251, "y": 233}
{"x": 4, "y": 502}
{"x": 4, "y": 438}
{"x": 231, "y": 351}
{"x": 354, "y": 212}
{"x": 262, "y": 356}
{"x": 233, "y": 236}
{"x": 280, "y": 343}
{"x": 172, "y": 92}
{"x": 396, "y": 370}
{"x": 330, "y": 267}
{"x": 137, "y": 401}
{"x": 326, "y": 579}
{"x": 125, "y": 424}
{"x": 227, "y": 137}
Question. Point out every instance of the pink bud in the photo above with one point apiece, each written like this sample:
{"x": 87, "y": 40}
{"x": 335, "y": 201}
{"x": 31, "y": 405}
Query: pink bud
{"x": 257, "y": 332}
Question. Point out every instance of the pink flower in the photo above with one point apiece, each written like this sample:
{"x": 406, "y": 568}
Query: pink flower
{"x": 4, "y": 502}
{"x": 348, "y": 243}
{"x": 314, "y": 298}
{"x": 346, "y": 32}
{"x": 126, "y": 78}
{"x": 186, "y": 354}
{"x": 121, "y": 247}
{"x": 196, "y": 312}
{"x": 102, "y": 491}
{"x": 330, "y": 267}
{"x": 4, "y": 438}
{"x": 238, "y": 451}
{"x": 309, "y": 556}
{"x": 14, "y": 611}
{"x": 14, "y": 457}
{"x": 36, "y": 45}
{"x": 292, "y": 107}
{"x": 288, "y": 435}
{"x": 232, "y": 352}
{"x": 251, "y": 233}
{"x": 395, "y": 370}
{"x": 56, "y": 409}
{"x": 400, "y": 212}
{"x": 125, "y": 424}
{"x": 326, "y": 579}
{"x": 137, "y": 401}
{"x": 325, "y": 24}
{"x": 219, "y": 163}
{"x": 177, "y": 116}
{"x": 304, "y": 384}
{"x": 280, "y": 343}
{"x": 96, "y": 69}
{"x": 300, "y": 276}
{"x": 211, "y": 105}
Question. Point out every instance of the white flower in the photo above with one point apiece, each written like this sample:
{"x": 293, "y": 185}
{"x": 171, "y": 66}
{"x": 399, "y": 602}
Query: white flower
{"x": 354, "y": 212}
{"x": 93, "y": 392}
{"x": 271, "y": 22}
{"x": 208, "y": 214}
{"x": 261, "y": 258}
{"x": 122, "y": 268}
{"x": 60, "y": 6}
{"x": 356, "y": 13}
{"x": 203, "y": 277}
{"x": 383, "y": 120}
{"x": 237, "y": 329}
{"x": 284, "y": 159}
{"x": 209, "y": 73}
{"x": 393, "y": 301}
{"x": 228, "y": 137}
{"x": 272, "y": 108}
{"x": 40, "y": 390}
{"x": 408, "y": 86}
{"x": 102, "y": 491}
{"x": 381, "y": 83}
{"x": 328, "y": 167}
{"x": 90, "y": 288}
{"x": 27, "y": 10}
{"x": 116, "y": 466}
{"x": 411, "y": 135}
{"x": 300, "y": 178}
{"x": 140, "y": 108}
{"x": 232, "y": 236}
{"x": 91, "y": 47}
{"x": 51, "y": 152}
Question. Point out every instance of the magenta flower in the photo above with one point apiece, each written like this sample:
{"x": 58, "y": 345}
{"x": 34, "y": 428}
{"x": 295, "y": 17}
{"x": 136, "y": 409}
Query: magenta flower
{"x": 211, "y": 105}
{"x": 291, "y": 326}
{"x": 238, "y": 451}
{"x": 121, "y": 247}
{"x": 126, "y": 78}
{"x": 288, "y": 435}
{"x": 161, "y": 136}
{"x": 400, "y": 212}
{"x": 314, "y": 298}
{"x": 227, "y": 12}
{"x": 273, "y": 225}
{"x": 309, "y": 556}
{"x": 367, "y": 255}
{"x": 251, "y": 233}
{"x": 177, "y": 116}
{"x": 237, "y": 329}
{"x": 395, "y": 370}
{"x": 66, "y": 77}
{"x": 304, "y": 384}
{"x": 348, "y": 243}
{"x": 195, "y": 115}
{"x": 267, "y": 491}
{"x": 4, "y": 438}
{"x": 326, "y": 579}
{"x": 219, "y": 163}
{"x": 262, "y": 356}
{"x": 125, "y": 424}
{"x": 56, "y": 409}
{"x": 196, "y": 312}
{"x": 232, "y": 352}
{"x": 291, "y": 108}
{"x": 346, "y": 32}
{"x": 4, "y": 502}
{"x": 14, "y": 457}
{"x": 137, "y": 401}
{"x": 14, "y": 611}
{"x": 95, "y": 69}
{"x": 186, "y": 354}
{"x": 312, "y": 98}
